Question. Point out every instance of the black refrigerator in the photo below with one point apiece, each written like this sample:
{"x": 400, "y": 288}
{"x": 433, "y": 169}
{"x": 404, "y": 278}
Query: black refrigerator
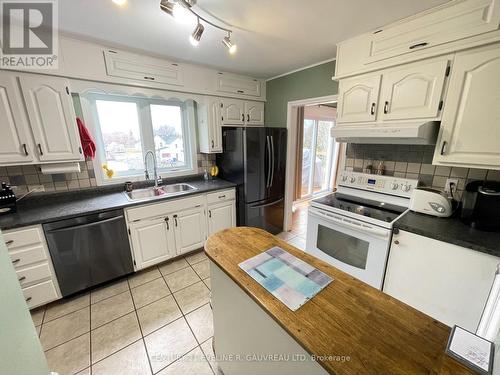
{"x": 255, "y": 159}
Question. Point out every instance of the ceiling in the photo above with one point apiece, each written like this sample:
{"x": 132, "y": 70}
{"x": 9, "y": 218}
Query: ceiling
{"x": 273, "y": 36}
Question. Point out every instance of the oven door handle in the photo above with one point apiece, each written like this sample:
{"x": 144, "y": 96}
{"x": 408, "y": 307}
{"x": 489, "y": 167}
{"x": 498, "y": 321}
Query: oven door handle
{"x": 348, "y": 223}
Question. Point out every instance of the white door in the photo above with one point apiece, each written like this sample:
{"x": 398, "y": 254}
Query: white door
{"x": 358, "y": 99}
{"x": 14, "y": 144}
{"x": 233, "y": 112}
{"x": 215, "y": 125}
{"x": 190, "y": 229}
{"x": 52, "y": 117}
{"x": 221, "y": 216}
{"x": 152, "y": 241}
{"x": 448, "y": 282}
{"x": 254, "y": 113}
{"x": 413, "y": 92}
{"x": 470, "y": 126}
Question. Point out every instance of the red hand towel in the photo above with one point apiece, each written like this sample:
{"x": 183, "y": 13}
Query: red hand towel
{"x": 88, "y": 143}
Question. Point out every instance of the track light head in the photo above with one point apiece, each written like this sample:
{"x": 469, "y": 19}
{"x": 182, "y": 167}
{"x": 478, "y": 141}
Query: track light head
{"x": 230, "y": 46}
{"x": 167, "y": 6}
{"x": 197, "y": 33}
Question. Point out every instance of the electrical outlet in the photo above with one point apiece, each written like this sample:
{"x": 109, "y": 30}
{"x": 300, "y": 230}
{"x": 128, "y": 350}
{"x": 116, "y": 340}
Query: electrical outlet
{"x": 450, "y": 181}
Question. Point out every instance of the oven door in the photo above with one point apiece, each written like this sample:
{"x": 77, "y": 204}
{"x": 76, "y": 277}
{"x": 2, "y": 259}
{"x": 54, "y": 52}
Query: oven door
{"x": 355, "y": 247}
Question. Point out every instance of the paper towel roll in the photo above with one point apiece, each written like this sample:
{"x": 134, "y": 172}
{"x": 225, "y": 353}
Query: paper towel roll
{"x": 60, "y": 168}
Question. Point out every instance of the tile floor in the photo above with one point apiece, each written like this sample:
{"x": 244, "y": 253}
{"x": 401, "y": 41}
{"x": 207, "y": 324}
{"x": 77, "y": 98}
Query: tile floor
{"x": 297, "y": 236}
{"x": 157, "y": 321}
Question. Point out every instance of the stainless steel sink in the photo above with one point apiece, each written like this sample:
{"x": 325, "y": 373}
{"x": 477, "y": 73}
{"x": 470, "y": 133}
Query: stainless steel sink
{"x": 159, "y": 192}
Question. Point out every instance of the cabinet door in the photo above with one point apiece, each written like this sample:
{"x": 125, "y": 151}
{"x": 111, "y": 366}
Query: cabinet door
{"x": 235, "y": 84}
{"x": 190, "y": 229}
{"x": 233, "y": 112}
{"x": 413, "y": 92}
{"x": 358, "y": 98}
{"x": 215, "y": 125}
{"x": 448, "y": 282}
{"x": 14, "y": 144}
{"x": 254, "y": 113}
{"x": 52, "y": 117}
{"x": 470, "y": 125}
{"x": 152, "y": 241}
{"x": 221, "y": 216}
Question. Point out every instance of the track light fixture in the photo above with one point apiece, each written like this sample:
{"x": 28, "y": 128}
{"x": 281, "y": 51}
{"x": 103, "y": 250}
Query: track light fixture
{"x": 180, "y": 9}
{"x": 197, "y": 33}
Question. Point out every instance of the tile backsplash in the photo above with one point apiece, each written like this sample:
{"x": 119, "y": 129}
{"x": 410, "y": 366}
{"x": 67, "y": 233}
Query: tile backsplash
{"x": 415, "y": 162}
{"x": 27, "y": 177}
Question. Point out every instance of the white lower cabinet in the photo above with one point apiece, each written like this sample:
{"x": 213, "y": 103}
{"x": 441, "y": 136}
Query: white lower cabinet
{"x": 153, "y": 241}
{"x": 221, "y": 216}
{"x": 31, "y": 260}
{"x": 164, "y": 230}
{"x": 447, "y": 282}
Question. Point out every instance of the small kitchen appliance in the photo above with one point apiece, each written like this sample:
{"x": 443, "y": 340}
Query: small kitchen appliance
{"x": 481, "y": 205}
{"x": 7, "y": 200}
{"x": 431, "y": 202}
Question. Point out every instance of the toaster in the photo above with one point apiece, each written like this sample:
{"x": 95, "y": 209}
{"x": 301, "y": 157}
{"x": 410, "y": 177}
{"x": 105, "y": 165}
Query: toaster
{"x": 431, "y": 202}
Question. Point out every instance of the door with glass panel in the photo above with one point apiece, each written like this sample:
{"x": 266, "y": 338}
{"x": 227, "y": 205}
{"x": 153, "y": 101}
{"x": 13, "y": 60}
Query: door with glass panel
{"x": 317, "y": 157}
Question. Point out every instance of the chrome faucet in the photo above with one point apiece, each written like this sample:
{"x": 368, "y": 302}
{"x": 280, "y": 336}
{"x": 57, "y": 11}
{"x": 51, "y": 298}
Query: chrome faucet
{"x": 158, "y": 180}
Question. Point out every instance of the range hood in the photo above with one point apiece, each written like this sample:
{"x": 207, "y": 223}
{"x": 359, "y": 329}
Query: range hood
{"x": 416, "y": 133}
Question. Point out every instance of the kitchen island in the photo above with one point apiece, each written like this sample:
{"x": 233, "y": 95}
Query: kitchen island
{"x": 348, "y": 328}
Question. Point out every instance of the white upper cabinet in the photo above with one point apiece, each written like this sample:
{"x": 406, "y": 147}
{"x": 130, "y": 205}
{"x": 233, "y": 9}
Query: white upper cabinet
{"x": 470, "y": 126}
{"x": 461, "y": 19}
{"x": 138, "y": 67}
{"x": 413, "y": 91}
{"x": 15, "y": 143}
{"x": 234, "y": 84}
{"x": 233, "y": 112}
{"x": 152, "y": 241}
{"x": 190, "y": 229}
{"x": 358, "y": 99}
{"x": 52, "y": 117}
{"x": 210, "y": 125}
{"x": 254, "y": 113}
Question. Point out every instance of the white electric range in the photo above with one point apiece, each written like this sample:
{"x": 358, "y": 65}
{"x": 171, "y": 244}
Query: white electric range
{"x": 352, "y": 228}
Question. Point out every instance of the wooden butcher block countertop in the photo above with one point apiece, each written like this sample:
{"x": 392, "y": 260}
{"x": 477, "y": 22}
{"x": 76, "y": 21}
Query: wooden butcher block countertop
{"x": 380, "y": 334}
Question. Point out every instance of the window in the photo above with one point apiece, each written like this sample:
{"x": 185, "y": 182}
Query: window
{"x": 127, "y": 127}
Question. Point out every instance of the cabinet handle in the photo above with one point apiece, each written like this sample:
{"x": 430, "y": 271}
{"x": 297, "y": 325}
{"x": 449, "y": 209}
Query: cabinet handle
{"x": 243, "y": 117}
{"x": 386, "y": 107}
{"x": 212, "y": 144}
{"x": 22, "y": 278}
{"x": 175, "y": 219}
{"x": 149, "y": 78}
{"x": 15, "y": 261}
{"x": 240, "y": 92}
{"x": 209, "y": 213}
{"x": 443, "y": 148}
{"x": 25, "y": 149}
{"x": 40, "y": 149}
{"x": 372, "y": 110}
{"x": 28, "y": 299}
{"x": 418, "y": 45}
{"x": 166, "y": 221}
{"x": 248, "y": 118}
{"x": 9, "y": 242}
{"x": 396, "y": 242}
{"x": 222, "y": 196}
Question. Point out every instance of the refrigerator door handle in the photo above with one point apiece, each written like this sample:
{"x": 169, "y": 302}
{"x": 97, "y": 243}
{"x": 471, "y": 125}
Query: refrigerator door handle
{"x": 271, "y": 180}
{"x": 267, "y": 204}
{"x": 268, "y": 149}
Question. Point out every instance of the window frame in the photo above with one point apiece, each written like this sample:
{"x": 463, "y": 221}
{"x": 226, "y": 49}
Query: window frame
{"x": 147, "y": 134}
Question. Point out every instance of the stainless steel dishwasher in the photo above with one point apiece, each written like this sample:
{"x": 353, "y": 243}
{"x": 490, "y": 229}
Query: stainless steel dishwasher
{"x": 89, "y": 250}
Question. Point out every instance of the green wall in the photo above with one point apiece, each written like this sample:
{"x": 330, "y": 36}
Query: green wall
{"x": 308, "y": 83}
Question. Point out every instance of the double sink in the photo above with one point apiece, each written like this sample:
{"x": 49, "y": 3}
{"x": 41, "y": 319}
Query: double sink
{"x": 159, "y": 191}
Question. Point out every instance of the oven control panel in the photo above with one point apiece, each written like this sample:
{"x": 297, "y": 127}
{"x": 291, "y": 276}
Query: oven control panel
{"x": 401, "y": 187}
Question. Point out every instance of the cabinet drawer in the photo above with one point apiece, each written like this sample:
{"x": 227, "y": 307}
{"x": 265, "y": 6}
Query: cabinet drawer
{"x": 40, "y": 294}
{"x": 24, "y": 257}
{"x": 221, "y": 196}
{"x": 164, "y": 208}
{"x": 23, "y": 237}
{"x": 33, "y": 274}
{"x": 238, "y": 85}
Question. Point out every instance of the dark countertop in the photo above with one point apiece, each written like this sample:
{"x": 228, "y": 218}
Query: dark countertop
{"x": 44, "y": 208}
{"x": 451, "y": 230}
